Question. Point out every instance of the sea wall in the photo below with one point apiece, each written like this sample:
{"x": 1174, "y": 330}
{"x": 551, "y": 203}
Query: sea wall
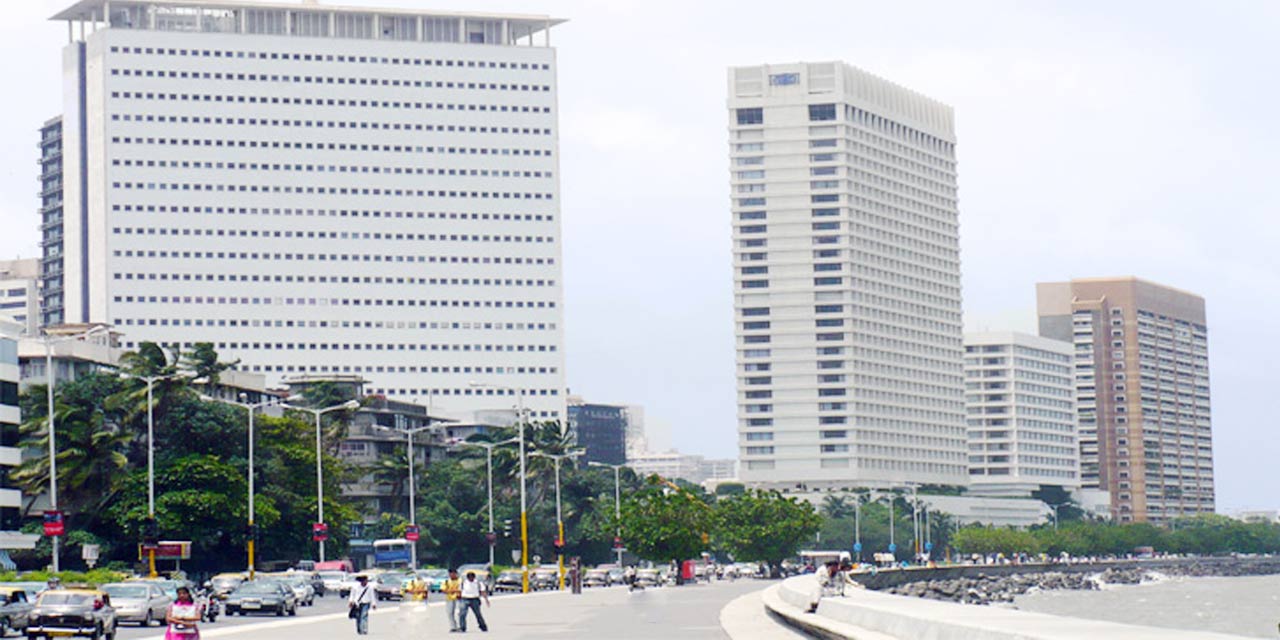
{"x": 866, "y": 614}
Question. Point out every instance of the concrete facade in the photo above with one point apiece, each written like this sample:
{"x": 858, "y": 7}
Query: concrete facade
{"x": 51, "y": 246}
{"x": 1142, "y": 391}
{"x": 321, "y": 190}
{"x": 1020, "y": 400}
{"x": 846, "y": 280}
{"x": 20, "y": 293}
{"x": 10, "y": 454}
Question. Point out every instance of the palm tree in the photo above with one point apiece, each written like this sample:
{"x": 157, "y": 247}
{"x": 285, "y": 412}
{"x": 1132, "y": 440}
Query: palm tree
{"x": 834, "y": 506}
{"x": 202, "y": 362}
{"x": 393, "y": 470}
{"x": 90, "y": 458}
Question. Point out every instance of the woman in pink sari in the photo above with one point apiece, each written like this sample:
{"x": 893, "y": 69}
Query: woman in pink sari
{"x": 182, "y": 617}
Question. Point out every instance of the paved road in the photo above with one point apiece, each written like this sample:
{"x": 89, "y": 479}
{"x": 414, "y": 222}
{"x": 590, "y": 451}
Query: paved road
{"x": 667, "y": 613}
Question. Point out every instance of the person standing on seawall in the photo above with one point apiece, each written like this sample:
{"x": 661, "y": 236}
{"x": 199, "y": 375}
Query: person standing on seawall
{"x": 362, "y": 599}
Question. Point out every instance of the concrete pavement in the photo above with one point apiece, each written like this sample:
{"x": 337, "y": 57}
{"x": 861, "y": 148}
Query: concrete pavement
{"x": 665, "y": 613}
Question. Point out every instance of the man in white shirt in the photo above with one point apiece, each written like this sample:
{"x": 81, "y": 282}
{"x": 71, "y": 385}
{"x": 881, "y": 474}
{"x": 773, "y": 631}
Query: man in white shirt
{"x": 362, "y": 598}
{"x": 472, "y": 592}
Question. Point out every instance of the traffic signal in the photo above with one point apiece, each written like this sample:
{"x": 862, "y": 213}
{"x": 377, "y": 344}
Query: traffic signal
{"x": 150, "y": 533}
{"x": 558, "y": 544}
{"x": 506, "y": 528}
{"x": 251, "y": 532}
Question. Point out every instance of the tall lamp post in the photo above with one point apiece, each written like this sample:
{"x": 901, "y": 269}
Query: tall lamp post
{"x": 49, "y": 341}
{"x": 349, "y": 405}
{"x": 556, "y": 458}
{"x": 488, "y": 458}
{"x": 151, "y": 458}
{"x": 524, "y": 513}
{"x": 252, "y": 407}
{"x": 617, "y": 504}
{"x": 1055, "y": 508}
{"x": 413, "y": 515}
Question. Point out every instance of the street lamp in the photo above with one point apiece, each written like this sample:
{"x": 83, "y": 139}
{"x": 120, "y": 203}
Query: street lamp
{"x": 1055, "y": 508}
{"x": 488, "y": 457}
{"x": 49, "y": 341}
{"x": 251, "y": 407}
{"x": 556, "y": 458}
{"x": 617, "y": 504}
{"x": 413, "y": 516}
{"x": 151, "y": 458}
{"x": 349, "y": 405}
{"x": 524, "y": 514}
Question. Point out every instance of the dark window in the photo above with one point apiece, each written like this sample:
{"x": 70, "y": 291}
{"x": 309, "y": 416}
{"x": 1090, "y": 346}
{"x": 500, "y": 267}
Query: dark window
{"x": 822, "y": 112}
{"x": 751, "y": 116}
{"x": 755, "y": 311}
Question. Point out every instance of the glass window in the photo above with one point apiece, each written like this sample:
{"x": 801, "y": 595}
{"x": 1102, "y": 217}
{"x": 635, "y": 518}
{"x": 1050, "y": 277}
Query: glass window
{"x": 822, "y": 112}
{"x": 754, "y": 115}
{"x": 784, "y": 79}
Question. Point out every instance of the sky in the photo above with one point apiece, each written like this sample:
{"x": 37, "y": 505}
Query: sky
{"x": 1094, "y": 139}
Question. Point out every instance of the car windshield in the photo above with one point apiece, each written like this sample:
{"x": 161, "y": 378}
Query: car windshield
{"x": 333, "y": 575}
{"x": 57, "y": 598}
{"x": 137, "y": 592}
{"x": 258, "y": 588}
{"x": 222, "y": 582}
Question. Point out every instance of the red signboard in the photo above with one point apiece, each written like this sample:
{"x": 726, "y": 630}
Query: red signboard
{"x": 411, "y": 533}
{"x": 319, "y": 532}
{"x": 617, "y": 543}
{"x": 168, "y": 550}
{"x": 54, "y": 524}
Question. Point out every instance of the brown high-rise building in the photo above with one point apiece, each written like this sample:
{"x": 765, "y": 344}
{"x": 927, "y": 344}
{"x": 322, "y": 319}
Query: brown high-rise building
{"x": 1142, "y": 391}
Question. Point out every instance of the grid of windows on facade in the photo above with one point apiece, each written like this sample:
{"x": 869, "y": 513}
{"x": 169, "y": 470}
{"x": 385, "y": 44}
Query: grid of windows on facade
{"x": 10, "y": 418}
{"x": 51, "y": 227}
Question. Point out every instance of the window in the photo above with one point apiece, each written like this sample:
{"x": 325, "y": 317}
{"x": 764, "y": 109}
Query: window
{"x": 754, "y": 271}
{"x": 834, "y": 434}
{"x": 783, "y": 79}
{"x": 818, "y": 144}
{"x": 755, "y": 339}
{"x": 824, "y": 197}
{"x": 835, "y": 448}
{"x": 760, "y": 436}
{"x": 822, "y": 112}
{"x": 760, "y": 422}
{"x": 826, "y": 282}
{"x": 748, "y": 215}
{"x": 826, "y": 393}
{"x": 755, "y": 284}
{"x": 755, "y": 325}
{"x": 759, "y": 451}
{"x": 828, "y": 308}
{"x": 826, "y": 212}
{"x": 751, "y": 116}
{"x": 752, "y": 311}
{"x": 828, "y": 266}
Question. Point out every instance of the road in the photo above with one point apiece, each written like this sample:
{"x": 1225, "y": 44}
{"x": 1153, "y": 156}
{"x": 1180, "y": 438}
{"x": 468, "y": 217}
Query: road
{"x": 666, "y": 613}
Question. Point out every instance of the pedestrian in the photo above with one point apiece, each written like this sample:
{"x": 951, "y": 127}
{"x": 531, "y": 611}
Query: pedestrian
{"x": 362, "y": 599}
{"x": 182, "y": 617}
{"x": 629, "y": 578}
{"x": 452, "y": 589}
{"x": 472, "y": 592}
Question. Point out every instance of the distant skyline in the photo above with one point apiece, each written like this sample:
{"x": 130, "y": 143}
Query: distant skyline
{"x": 1083, "y": 127}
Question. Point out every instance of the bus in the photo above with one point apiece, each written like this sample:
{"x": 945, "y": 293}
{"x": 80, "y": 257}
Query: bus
{"x": 391, "y": 553}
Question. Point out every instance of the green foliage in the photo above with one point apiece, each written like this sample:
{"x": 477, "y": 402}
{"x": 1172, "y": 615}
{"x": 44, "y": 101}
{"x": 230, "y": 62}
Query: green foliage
{"x": 984, "y": 541}
{"x": 661, "y": 524}
{"x": 730, "y": 489}
{"x": 764, "y": 526}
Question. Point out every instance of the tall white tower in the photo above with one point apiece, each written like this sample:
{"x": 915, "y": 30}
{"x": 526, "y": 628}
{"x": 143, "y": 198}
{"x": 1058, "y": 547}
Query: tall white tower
{"x": 846, "y": 280}
{"x": 321, "y": 190}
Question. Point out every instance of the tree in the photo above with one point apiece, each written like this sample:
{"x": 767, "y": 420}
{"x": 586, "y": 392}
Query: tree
{"x": 835, "y": 506}
{"x": 764, "y": 526}
{"x": 730, "y": 489}
{"x": 662, "y": 525}
{"x": 989, "y": 540}
{"x": 202, "y": 362}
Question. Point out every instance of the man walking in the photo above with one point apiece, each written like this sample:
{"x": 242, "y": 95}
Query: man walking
{"x": 361, "y": 599}
{"x": 452, "y": 589}
{"x": 472, "y": 592}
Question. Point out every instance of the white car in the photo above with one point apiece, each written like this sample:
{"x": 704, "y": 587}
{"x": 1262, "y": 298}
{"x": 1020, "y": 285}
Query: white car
{"x": 333, "y": 580}
{"x": 302, "y": 589}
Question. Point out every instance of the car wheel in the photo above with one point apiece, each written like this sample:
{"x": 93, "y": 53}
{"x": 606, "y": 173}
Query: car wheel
{"x": 279, "y": 611}
{"x": 146, "y": 622}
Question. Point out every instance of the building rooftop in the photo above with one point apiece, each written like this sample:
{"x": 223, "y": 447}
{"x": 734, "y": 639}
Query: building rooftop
{"x": 93, "y": 11}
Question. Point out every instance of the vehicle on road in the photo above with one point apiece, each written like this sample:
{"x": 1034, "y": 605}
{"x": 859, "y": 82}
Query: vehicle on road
{"x": 344, "y": 566}
{"x": 15, "y": 609}
{"x": 223, "y": 584}
{"x": 434, "y": 578}
{"x": 262, "y": 596}
{"x": 386, "y": 585}
{"x": 544, "y": 579}
{"x": 333, "y": 580}
{"x": 317, "y": 583}
{"x": 392, "y": 553}
{"x": 512, "y": 580}
{"x": 73, "y": 612}
{"x": 139, "y": 602}
{"x": 615, "y": 574}
{"x": 596, "y": 578}
{"x": 648, "y": 578}
{"x": 302, "y": 589}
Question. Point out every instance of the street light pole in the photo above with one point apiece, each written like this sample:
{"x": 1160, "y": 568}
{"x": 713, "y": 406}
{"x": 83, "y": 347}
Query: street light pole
{"x": 488, "y": 460}
{"x": 251, "y": 408}
{"x": 348, "y": 405}
{"x": 413, "y": 516}
{"x": 151, "y": 457}
{"x": 524, "y": 507}
{"x": 617, "y": 504}
{"x": 49, "y": 341}
{"x": 559, "y": 517}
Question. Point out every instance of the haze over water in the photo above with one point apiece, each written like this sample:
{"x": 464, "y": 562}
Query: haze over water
{"x": 1248, "y": 606}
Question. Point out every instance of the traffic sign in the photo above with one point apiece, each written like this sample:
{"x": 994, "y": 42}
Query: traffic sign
{"x": 411, "y": 533}
{"x": 319, "y": 532}
{"x": 169, "y": 550}
{"x": 892, "y": 548}
{"x": 928, "y": 546}
{"x": 857, "y": 547}
{"x": 491, "y": 538}
{"x": 54, "y": 524}
{"x": 617, "y": 543}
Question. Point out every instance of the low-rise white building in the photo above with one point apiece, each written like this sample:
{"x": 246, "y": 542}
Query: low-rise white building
{"x": 1020, "y": 401}
{"x": 20, "y": 293}
{"x": 10, "y": 454}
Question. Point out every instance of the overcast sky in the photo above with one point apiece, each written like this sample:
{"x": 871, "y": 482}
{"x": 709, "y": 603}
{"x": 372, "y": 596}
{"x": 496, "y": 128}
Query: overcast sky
{"x": 1094, "y": 139}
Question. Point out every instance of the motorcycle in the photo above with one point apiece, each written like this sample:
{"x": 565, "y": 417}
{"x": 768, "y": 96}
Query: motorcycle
{"x": 210, "y": 605}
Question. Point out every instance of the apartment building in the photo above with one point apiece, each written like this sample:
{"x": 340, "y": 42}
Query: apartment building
{"x": 20, "y": 293}
{"x": 320, "y": 190}
{"x": 1141, "y": 357}
{"x": 846, "y": 280}
{"x": 10, "y": 454}
{"x": 1021, "y": 411}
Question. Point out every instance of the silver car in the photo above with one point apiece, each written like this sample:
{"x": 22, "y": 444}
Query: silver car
{"x": 302, "y": 589}
{"x": 138, "y": 602}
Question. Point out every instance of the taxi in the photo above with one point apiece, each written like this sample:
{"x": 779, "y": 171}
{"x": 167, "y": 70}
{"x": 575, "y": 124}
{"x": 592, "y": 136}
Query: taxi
{"x": 73, "y": 612}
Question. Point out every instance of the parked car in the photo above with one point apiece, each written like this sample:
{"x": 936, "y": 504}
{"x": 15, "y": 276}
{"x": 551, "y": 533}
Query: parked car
{"x": 262, "y": 596}
{"x": 332, "y": 580}
{"x": 508, "y": 581}
{"x": 345, "y": 587}
{"x": 302, "y": 589}
{"x": 615, "y": 574}
{"x": 15, "y": 609}
{"x": 595, "y": 578}
{"x": 73, "y": 612}
{"x": 435, "y": 578}
{"x": 140, "y": 602}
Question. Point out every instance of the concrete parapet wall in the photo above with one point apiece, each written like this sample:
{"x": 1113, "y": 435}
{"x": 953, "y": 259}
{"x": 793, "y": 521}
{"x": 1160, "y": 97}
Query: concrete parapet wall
{"x": 888, "y": 578}
{"x": 863, "y": 613}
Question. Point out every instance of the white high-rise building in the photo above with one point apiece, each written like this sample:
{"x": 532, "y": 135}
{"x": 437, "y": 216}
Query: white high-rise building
{"x": 846, "y": 280}
{"x": 20, "y": 292}
{"x": 321, "y": 190}
{"x": 1020, "y": 398}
